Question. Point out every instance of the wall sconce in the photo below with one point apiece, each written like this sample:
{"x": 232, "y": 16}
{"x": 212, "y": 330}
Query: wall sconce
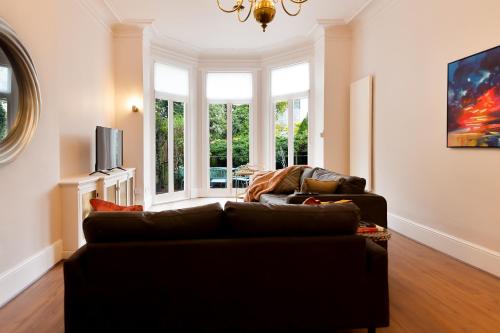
{"x": 133, "y": 103}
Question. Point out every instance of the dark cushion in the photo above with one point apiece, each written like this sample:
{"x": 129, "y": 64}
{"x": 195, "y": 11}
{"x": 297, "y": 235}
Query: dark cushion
{"x": 307, "y": 173}
{"x": 259, "y": 220}
{"x": 190, "y": 223}
{"x": 347, "y": 184}
{"x": 273, "y": 199}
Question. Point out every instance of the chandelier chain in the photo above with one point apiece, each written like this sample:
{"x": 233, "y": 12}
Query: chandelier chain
{"x": 290, "y": 13}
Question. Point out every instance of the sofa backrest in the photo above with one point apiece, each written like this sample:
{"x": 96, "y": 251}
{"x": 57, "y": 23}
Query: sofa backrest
{"x": 347, "y": 184}
{"x": 263, "y": 220}
{"x": 190, "y": 223}
{"x": 208, "y": 222}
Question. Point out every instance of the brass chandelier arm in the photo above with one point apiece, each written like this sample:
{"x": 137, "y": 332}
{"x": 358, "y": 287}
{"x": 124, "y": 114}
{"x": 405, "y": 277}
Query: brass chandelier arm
{"x": 294, "y": 1}
{"x": 236, "y": 7}
{"x": 299, "y": 1}
{"x": 252, "y": 3}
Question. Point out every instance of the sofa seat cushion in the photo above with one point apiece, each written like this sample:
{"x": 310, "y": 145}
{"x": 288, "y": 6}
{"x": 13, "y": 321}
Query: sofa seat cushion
{"x": 261, "y": 220}
{"x": 347, "y": 184}
{"x": 190, "y": 223}
{"x": 273, "y": 199}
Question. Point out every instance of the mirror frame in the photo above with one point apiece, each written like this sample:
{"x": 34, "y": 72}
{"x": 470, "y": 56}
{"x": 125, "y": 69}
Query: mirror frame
{"x": 30, "y": 101}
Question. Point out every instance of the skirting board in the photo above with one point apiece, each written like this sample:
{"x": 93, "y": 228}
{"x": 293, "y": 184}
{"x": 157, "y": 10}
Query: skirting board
{"x": 18, "y": 278}
{"x": 465, "y": 251}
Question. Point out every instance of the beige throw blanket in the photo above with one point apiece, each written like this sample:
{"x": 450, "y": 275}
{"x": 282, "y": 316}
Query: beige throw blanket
{"x": 266, "y": 181}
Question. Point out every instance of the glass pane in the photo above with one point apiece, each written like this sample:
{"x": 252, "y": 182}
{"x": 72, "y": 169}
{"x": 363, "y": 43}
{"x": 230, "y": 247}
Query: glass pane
{"x": 218, "y": 145}
{"x": 161, "y": 124}
{"x": 233, "y": 86}
{"x": 4, "y": 79}
{"x": 178, "y": 146}
{"x": 172, "y": 80}
{"x": 241, "y": 142}
{"x": 281, "y": 134}
{"x": 4, "y": 128}
{"x": 300, "y": 130}
{"x": 290, "y": 80}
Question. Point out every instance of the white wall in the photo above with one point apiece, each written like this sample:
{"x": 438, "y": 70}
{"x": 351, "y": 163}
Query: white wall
{"x": 129, "y": 89}
{"x": 72, "y": 53}
{"x": 407, "y": 45}
{"x": 336, "y": 93}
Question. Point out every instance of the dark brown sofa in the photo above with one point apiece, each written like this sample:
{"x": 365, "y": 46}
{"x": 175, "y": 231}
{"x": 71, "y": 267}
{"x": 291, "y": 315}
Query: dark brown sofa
{"x": 248, "y": 268}
{"x": 373, "y": 207}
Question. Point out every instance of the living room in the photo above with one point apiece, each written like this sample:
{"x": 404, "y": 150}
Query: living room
{"x": 198, "y": 95}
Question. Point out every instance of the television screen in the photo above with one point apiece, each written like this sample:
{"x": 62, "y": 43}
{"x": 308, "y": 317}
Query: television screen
{"x": 109, "y": 148}
{"x": 474, "y": 100}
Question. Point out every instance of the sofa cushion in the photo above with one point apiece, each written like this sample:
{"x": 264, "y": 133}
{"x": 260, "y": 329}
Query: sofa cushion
{"x": 290, "y": 183}
{"x": 273, "y": 199}
{"x": 311, "y": 185}
{"x": 190, "y": 223}
{"x": 347, "y": 184}
{"x": 105, "y": 206}
{"x": 307, "y": 173}
{"x": 260, "y": 220}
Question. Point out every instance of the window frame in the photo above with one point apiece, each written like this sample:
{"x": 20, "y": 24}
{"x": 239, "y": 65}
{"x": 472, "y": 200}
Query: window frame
{"x": 228, "y": 191}
{"x": 291, "y": 135}
{"x": 171, "y": 195}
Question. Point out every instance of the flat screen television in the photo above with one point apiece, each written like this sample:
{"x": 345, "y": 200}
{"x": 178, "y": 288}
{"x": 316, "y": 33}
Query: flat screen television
{"x": 109, "y": 148}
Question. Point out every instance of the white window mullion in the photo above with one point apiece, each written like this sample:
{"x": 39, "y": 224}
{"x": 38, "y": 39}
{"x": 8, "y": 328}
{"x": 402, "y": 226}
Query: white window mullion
{"x": 229, "y": 146}
{"x": 170, "y": 146}
{"x": 290, "y": 133}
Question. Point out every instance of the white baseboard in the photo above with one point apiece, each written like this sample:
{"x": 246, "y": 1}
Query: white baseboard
{"x": 470, "y": 253}
{"x": 18, "y": 278}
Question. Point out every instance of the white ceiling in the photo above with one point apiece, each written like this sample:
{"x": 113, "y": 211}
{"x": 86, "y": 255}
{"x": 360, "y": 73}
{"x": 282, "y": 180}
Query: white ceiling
{"x": 200, "y": 24}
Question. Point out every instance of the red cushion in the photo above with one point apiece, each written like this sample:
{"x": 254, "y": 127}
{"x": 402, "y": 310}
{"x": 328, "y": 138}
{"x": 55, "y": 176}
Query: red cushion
{"x": 311, "y": 201}
{"x": 106, "y": 206}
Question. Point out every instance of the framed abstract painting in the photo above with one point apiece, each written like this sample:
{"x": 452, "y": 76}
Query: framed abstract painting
{"x": 474, "y": 101}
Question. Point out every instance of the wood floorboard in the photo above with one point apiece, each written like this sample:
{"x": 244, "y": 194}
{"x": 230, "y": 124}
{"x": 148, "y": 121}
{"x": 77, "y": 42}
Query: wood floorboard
{"x": 429, "y": 293}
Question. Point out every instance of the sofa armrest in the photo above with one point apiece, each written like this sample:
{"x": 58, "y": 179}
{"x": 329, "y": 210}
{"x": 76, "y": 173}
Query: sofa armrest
{"x": 377, "y": 272}
{"x": 74, "y": 286}
{"x": 373, "y": 206}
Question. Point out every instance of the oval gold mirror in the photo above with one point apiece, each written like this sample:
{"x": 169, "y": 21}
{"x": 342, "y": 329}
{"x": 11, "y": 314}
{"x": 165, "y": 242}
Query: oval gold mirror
{"x": 20, "y": 99}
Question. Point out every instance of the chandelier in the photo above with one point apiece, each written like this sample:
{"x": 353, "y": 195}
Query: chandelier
{"x": 263, "y": 10}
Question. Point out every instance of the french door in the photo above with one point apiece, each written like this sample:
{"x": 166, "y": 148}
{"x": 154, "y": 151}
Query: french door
{"x": 170, "y": 147}
{"x": 291, "y": 131}
{"x": 228, "y": 146}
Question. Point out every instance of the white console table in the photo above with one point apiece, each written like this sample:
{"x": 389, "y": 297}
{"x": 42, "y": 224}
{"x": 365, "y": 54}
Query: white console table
{"x": 76, "y": 192}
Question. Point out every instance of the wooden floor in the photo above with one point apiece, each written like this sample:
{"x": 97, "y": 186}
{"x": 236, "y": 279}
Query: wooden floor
{"x": 429, "y": 293}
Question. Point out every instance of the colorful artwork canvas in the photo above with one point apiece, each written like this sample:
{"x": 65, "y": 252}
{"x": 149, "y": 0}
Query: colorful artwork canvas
{"x": 474, "y": 100}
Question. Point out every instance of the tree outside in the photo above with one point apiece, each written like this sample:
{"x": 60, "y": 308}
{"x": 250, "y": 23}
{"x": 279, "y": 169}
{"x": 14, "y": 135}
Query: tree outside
{"x": 161, "y": 125}
{"x": 300, "y": 132}
{"x": 3, "y": 119}
{"x": 178, "y": 146}
{"x": 161, "y": 163}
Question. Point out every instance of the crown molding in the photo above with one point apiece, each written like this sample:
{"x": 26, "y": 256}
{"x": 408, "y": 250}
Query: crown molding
{"x": 357, "y": 12}
{"x": 123, "y": 30}
{"x": 102, "y": 12}
{"x": 371, "y": 11}
{"x": 160, "y": 51}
